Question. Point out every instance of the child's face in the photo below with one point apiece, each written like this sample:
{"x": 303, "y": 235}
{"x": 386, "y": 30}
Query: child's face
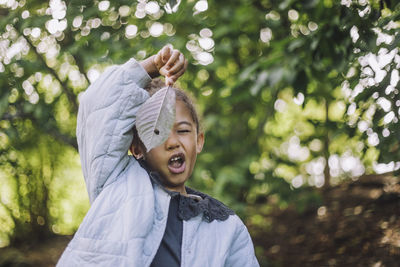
{"x": 174, "y": 160}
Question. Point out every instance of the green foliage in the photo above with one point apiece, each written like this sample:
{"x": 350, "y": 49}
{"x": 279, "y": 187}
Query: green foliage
{"x": 378, "y": 102}
{"x": 276, "y": 81}
{"x": 32, "y": 191}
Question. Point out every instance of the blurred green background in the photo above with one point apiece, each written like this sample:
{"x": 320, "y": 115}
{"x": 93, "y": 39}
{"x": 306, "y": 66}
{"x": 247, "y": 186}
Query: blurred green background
{"x": 296, "y": 97}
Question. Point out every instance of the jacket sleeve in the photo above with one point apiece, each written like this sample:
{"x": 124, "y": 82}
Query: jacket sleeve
{"x": 241, "y": 253}
{"x": 106, "y": 115}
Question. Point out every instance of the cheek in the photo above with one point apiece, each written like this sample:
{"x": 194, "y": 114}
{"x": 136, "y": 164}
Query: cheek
{"x": 152, "y": 157}
{"x": 192, "y": 143}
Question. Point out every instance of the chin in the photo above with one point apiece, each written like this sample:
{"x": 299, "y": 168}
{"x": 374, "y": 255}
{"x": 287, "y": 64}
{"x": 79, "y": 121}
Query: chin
{"x": 175, "y": 180}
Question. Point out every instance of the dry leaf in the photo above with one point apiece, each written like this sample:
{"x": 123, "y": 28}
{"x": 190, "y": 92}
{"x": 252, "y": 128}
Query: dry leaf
{"x": 156, "y": 117}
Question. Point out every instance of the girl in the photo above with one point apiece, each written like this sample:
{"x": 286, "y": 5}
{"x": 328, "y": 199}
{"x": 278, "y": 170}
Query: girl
{"x": 141, "y": 212}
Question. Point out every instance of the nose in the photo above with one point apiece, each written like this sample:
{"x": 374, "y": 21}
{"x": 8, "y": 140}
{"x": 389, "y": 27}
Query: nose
{"x": 172, "y": 142}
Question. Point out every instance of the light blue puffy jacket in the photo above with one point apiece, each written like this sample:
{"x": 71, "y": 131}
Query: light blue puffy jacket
{"x": 128, "y": 214}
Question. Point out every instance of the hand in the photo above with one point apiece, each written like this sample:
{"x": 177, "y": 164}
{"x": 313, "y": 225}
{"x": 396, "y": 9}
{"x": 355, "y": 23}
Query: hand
{"x": 170, "y": 63}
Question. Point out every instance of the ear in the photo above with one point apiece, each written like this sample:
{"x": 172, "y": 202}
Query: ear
{"x": 200, "y": 142}
{"x": 136, "y": 149}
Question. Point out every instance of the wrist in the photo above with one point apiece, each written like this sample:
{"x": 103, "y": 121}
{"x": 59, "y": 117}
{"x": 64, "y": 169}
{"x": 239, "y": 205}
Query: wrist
{"x": 149, "y": 66}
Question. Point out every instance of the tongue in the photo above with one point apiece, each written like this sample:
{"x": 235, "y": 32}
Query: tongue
{"x": 177, "y": 167}
{"x": 176, "y": 164}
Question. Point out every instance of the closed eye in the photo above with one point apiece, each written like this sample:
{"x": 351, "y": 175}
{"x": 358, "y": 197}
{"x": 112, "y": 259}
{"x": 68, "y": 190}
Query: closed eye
{"x": 183, "y": 131}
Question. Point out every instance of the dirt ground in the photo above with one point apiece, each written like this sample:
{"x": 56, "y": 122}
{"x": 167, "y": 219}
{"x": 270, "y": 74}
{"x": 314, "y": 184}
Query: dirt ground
{"x": 44, "y": 254}
{"x": 358, "y": 224}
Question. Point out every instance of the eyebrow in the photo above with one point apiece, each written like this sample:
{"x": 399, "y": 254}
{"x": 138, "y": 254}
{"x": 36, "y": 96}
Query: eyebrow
{"x": 184, "y": 122}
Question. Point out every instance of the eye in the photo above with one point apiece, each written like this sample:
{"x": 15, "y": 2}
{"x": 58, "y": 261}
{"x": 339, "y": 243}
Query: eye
{"x": 184, "y": 131}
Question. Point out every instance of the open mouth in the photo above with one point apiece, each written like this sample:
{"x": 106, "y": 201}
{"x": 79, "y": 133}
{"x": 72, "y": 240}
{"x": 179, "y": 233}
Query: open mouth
{"x": 176, "y": 164}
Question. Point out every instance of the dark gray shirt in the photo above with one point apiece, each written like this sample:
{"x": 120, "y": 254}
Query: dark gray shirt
{"x": 169, "y": 252}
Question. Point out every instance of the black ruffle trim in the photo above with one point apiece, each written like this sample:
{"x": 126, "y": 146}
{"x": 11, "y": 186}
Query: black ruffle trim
{"x": 211, "y": 208}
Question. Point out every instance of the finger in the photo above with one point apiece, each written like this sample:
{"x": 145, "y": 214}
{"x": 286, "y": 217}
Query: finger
{"x": 172, "y": 59}
{"x": 157, "y": 61}
{"x": 180, "y": 72}
{"x": 175, "y": 77}
{"x": 169, "y": 81}
{"x": 163, "y": 71}
{"x": 166, "y": 53}
{"x": 179, "y": 64}
{"x": 170, "y": 46}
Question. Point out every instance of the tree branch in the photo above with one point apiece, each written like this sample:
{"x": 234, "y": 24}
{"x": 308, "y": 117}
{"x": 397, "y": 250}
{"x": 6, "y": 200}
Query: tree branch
{"x": 52, "y": 131}
{"x": 63, "y": 138}
{"x": 79, "y": 63}
{"x": 70, "y": 95}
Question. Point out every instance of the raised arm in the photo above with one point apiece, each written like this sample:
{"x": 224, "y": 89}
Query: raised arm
{"x": 105, "y": 118}
{"x": 107, "y": 113}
